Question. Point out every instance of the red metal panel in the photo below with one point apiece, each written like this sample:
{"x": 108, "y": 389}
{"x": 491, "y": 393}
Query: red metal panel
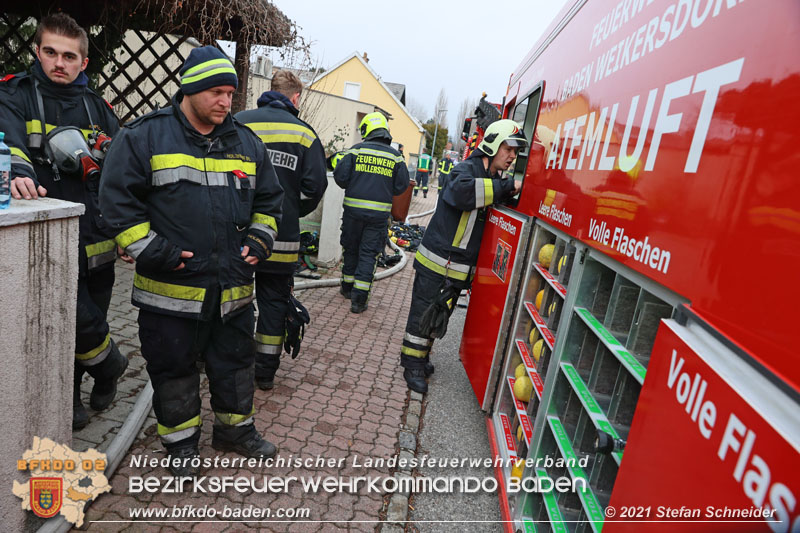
{"x": 485, "y": 316}
{"x": 697, "y": 442}
{"x": 710, "y": 88}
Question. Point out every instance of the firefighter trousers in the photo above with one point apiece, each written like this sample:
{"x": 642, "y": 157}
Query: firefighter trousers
{"x": 416, "y": 348}
{"x": 272, "y": 295}
{"x": 172, "y": 347}
{"x": 422, "y": 182}
{"x": 92, "y": 340}
{"x": 362, "y": 241}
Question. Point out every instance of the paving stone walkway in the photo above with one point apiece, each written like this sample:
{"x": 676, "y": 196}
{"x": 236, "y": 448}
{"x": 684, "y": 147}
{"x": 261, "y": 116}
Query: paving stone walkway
{"x": 344, "y": 397}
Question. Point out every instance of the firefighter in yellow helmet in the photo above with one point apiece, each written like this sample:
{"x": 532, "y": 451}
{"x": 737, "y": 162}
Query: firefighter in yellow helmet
{"x": 371, "y": 173}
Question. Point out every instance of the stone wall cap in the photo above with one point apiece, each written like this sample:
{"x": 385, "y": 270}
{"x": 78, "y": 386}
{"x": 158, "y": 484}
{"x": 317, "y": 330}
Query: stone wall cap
{"x": 25, "y": 211}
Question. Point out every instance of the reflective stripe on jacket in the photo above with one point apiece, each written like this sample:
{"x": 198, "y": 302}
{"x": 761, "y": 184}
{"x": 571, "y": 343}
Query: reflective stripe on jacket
{"x": 299, "y": 161}
{"x": 453, "y": 237}
{"x": 371, "y": 173}
{"x": 169, "y": 188}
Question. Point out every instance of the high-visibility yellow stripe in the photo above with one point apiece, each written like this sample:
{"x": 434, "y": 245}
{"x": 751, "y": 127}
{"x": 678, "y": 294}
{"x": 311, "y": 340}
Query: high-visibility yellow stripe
{"x": 462, "y": 227}
{"x": 267, "y": 220}
{"x": 204, "y": 75}
{"x": 427, "y": 263}
{"x": 237, "y": 293}
{"x": 412, "y": 352}
{"x": 206, "y": 69}
{"x": 287, "y": 138}
{"x": 164, "y": 430}
{"x": 165, "y": 161}
{"x": 367, "y": 204}
{"x": 20, "y": 153}
{"x": 488, "y": 191}
{"x": 182, "y": 292}
{"x": 272, "y": 340}
{"x": 232, "y": 419}
{"x": 35, "y": 126}
{"x": 133, "y": 234}
{"x": 283, "y": 258}
{"x": 100, "y": 248}
{"x": 91, "y": 354}
{"x": 260, "y": 126}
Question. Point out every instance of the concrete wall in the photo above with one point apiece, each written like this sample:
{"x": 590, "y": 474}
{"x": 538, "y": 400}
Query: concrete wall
{"x": 330, "y": 251}
{"x": 38, "y": 286}
{"x": 402, "y": 127}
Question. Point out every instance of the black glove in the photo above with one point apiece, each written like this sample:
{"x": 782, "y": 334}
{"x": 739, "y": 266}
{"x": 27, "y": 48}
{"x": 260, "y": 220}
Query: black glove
{"x": 160, "y": 254}
{"x": 260, "y": 246}
{"x": 296, "y": 319}
{"x": 433, "y": 323}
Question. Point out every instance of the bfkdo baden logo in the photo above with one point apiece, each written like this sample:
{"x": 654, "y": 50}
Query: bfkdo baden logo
{"x": 46, "y": 495}
{"x": 61, "y": 481}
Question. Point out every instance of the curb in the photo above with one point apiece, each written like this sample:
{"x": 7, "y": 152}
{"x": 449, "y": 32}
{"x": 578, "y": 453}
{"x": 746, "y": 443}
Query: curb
{"x": 397, "y": 509}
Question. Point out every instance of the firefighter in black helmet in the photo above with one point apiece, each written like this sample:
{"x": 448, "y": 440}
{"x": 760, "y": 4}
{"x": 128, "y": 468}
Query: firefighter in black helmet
{"x": 446, "y": 259}
{"x": 370, "y": 172}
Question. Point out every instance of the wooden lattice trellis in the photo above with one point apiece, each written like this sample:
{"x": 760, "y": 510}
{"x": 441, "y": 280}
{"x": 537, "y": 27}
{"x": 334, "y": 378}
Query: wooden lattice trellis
{"x": 16, "y": 42}
{"x": 142, "y": 74}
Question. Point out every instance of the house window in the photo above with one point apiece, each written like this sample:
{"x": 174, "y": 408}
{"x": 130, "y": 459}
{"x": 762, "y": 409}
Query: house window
{"x": 352, "y": 90}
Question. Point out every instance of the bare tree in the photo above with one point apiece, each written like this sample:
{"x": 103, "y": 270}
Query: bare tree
{"x": 416, "y": 109}
{"x": 440, "y": 111}
{"x": 466, "y": 109}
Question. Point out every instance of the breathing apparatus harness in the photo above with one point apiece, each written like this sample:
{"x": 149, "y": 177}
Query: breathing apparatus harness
{"x": 65, "y": 150}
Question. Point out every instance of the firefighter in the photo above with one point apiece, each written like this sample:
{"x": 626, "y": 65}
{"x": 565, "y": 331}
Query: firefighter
{"x": 423, "y": 170}
{"x": 194, "y": 199}
{"x": 446, "y": 259}
{"x": 55, "y": 98}
{"x": 370, "y": 172}
{"x": 299, "y": 161}
{"x": 445, "y": 167}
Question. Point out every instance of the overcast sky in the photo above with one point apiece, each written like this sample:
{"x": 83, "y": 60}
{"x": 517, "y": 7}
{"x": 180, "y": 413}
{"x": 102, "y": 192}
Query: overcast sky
{"x": 467, "y": 47}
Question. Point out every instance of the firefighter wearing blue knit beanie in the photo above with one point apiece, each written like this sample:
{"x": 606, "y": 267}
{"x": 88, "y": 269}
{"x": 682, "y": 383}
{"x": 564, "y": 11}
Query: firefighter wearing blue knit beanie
{"x": 207, "y": 67}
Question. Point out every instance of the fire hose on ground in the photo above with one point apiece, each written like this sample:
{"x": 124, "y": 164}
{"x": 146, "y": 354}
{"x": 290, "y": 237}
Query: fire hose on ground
{"x": 133, "y": 424}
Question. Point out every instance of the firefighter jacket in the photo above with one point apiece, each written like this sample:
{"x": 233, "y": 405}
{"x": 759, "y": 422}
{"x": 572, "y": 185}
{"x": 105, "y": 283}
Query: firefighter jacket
{"x": 370, "y": 173}
{"x": 453, "y": 237}
{"x": 299, "y": 162}
{"x": 445, "y": 167}
{"x": 64, "y": 105}
{"x": 170, "y": 189}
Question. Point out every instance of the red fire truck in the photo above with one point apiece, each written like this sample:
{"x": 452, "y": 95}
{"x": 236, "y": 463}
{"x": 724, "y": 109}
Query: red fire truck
{"x": 635, "y": 351}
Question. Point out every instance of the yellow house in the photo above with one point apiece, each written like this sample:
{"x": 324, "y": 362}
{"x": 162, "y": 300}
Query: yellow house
{"x": 354, "y": 79}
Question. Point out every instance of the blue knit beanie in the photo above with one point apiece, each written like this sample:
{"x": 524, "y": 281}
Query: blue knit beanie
{"x": 206, "y": 67}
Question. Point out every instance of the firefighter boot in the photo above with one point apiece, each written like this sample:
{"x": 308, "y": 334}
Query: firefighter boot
{"x": 265, "y": 383}
{"x": 106, "y": 375}
{"x": 79, "y": 415}
{"x": 415, "y": 379}
{"x": 358, "y": 301}
{"x": 346, "y": 289}
{"x": 428, "y": 368}
{"x": 244, "y": 440}
{"x": 180, "y": 460}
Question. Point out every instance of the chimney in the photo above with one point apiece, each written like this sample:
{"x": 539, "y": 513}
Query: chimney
{"x": 366, "y": 59}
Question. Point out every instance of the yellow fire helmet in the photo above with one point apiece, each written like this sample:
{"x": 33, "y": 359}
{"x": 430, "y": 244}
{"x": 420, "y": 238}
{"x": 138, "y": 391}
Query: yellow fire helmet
{"x": 372, "y": 122}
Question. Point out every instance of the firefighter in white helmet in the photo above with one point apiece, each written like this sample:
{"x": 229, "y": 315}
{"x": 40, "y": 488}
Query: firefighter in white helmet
{"x": 446, "y": 259}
